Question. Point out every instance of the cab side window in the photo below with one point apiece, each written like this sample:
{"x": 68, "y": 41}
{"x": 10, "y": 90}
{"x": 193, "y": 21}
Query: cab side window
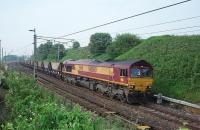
{"x": 69, "y": 68}
{"x": 124, "y": 72}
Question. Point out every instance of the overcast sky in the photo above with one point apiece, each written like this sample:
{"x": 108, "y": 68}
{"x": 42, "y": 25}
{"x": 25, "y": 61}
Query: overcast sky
{"x": 59, "y": 17}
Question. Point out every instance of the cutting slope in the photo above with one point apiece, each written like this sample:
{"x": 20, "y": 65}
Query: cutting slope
{"x": 176, "y": 61}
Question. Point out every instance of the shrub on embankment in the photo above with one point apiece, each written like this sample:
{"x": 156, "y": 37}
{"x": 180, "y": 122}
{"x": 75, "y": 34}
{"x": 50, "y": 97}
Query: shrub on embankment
{"x": 176, "y": 62}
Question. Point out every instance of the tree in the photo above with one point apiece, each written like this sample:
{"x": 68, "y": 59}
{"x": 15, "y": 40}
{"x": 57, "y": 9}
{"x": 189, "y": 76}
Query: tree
{"x": 53, "y": 54}
{"x": 76, "y": 44}
{"x": 121, "y": 44}
{"x": 43, "y": 50}
{"x": 50, "y": 51}
{"x": 99, "y": 42}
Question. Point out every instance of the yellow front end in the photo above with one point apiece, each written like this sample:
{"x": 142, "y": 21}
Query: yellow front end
{"x": 140, "y": 84}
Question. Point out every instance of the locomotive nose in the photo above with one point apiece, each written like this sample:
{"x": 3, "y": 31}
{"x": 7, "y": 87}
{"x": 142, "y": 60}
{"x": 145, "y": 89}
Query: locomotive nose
{"x": 140, "y": 84}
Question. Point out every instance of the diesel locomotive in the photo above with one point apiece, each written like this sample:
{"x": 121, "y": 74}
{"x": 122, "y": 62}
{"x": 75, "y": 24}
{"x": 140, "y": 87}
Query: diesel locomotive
{"x": 129, "y": 81}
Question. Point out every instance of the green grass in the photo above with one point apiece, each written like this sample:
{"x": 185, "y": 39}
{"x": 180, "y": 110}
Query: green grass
{"x": 102, "y": 57}
{"x": 176, "y": 62}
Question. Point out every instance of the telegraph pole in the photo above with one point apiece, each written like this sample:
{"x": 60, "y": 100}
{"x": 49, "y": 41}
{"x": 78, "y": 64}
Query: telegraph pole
{"x": 35, "y": 47}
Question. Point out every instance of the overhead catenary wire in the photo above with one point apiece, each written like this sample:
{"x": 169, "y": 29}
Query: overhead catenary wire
{"x": 169, "y": 30}
{"x": 129, "y": 18}
{"x": 122, "y": 19}
{"x": 162, "y": 23}
{"x": 190, "y": 31}
{"x": 157, "y": 24}
{"x": 50, "y": 38}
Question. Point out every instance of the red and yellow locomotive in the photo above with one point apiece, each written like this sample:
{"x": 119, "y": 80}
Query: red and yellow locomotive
{"x": 125, "y": 80}
{"x": 128, "y": 80}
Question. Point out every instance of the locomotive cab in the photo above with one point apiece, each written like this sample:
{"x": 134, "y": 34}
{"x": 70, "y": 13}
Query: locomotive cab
{"x": 141, "y": 78}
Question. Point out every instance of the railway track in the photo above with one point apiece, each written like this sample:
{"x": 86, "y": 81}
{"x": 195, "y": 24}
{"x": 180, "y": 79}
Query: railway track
{"x": 156, "y": 116}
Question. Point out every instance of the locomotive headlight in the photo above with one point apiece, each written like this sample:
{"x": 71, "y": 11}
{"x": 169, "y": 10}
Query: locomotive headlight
{"x": 149, "y": 87}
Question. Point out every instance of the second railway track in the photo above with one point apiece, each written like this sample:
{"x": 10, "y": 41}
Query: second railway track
{"x": 156, "y": 116}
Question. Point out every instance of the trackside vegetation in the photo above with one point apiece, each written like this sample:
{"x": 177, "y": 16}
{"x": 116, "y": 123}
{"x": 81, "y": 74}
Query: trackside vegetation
{"x": 34, "y": 108}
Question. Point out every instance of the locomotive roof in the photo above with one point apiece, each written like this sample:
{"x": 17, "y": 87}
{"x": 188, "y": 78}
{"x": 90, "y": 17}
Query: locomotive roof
{"x": 118, "y": 64}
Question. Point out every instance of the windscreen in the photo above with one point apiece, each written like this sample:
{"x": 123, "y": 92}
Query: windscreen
{"x": 141, "y": 72}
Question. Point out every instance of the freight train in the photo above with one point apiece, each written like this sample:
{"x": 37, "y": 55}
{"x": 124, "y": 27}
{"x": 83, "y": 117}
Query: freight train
{"x": 128, "y": 81}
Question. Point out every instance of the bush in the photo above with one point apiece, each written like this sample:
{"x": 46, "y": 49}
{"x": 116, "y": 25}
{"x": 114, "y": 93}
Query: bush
{"x": 121, "y": 44}
{"x": 76, "y": 44}
{"x": 99, "y": 42}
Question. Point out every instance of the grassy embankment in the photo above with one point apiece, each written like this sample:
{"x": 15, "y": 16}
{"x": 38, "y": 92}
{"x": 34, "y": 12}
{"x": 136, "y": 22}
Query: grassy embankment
{"x": 34, "y": 108}
{"x": 176, "y": 62}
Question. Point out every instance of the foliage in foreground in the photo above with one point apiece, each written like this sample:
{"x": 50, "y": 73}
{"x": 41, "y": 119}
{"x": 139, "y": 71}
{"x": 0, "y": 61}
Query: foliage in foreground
{"x": 34, "y": 108}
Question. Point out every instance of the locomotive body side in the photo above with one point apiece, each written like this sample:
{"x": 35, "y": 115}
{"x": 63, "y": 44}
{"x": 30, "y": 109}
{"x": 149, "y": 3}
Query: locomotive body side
{"x": 112, "y": 73}
{"x": 133, "y": 77}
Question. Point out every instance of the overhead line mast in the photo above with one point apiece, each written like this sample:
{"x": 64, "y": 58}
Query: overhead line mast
{"x": 35, "y": 47}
